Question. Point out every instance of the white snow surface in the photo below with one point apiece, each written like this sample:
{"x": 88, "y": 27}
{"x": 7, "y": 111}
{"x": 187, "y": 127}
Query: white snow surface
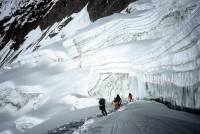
{"x": 80, "y": 20}
{"x": 152, "y": 52}
{"x": 147, "y": 118}
{"x": 61, "y": 87}
{"x": 25, "y": 123}
{"x": 137, "y": 117}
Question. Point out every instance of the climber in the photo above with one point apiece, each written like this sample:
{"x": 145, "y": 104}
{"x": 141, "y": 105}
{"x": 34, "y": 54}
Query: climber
{"x": 116, "y": 104}
{"x": 102, "y": 106}
{"x": 130, "y": 97}
{"x": 119, "y": 100}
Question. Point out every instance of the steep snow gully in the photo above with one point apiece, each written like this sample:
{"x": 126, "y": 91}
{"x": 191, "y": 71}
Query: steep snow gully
{"x": 151, "y": 49}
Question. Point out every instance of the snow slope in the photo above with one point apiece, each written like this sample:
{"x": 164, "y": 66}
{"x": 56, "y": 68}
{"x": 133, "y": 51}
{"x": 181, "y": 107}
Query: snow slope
{"x": 40, "y": 84}
{"x": 59, "y": 88}
{"x": 152, "y": 51}
{"x": 146, "y": 118}
{"x": 137, "y": 117}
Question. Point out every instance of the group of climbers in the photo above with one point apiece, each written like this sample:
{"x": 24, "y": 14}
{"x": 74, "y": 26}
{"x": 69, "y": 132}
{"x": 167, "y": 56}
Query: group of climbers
{"x": 117, "y": 102}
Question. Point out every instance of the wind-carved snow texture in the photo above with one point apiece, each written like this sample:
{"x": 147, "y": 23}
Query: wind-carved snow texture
{"x": 25, "y": 123}
{"x": 168, "y": 63}
{"x": 16, "y": 98}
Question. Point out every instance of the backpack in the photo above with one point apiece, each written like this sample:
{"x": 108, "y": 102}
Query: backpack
{"x": 130, "y": 96}
{"x": 118, "y": 98}
{"x": 102, "y": 101}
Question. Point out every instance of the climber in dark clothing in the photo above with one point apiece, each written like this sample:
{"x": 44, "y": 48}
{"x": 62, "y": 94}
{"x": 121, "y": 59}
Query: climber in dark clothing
{"x": 118, "y": 98}
{"x": 102, "y": 106}
{"x": 130, "y": 97}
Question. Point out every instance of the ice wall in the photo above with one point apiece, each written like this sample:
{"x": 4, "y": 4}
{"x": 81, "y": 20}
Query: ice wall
{"x": 153, "y": 52}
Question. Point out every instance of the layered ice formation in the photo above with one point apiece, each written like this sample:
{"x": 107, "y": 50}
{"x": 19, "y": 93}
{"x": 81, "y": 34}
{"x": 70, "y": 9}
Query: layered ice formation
{"x": 153, "y": 51}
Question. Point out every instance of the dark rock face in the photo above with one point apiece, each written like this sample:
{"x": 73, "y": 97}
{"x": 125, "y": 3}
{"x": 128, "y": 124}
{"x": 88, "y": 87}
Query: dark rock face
{"x": 101, "y": 8}
{"x": 60, "y": 10}
{"x": 45, "y": 14}
{"x": 37, "y": 15}
{"x": 30, "y": 14}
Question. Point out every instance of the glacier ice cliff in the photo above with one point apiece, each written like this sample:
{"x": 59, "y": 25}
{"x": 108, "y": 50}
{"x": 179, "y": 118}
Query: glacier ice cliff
{"x": 153, "y": 52}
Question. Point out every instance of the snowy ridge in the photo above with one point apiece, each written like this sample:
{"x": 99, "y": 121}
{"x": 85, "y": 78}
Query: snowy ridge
{"x": 20, "y": 20}
{"x": 41, "y": 38}
{"x": 62, "y": 32}
{"x": 31, "y": 38}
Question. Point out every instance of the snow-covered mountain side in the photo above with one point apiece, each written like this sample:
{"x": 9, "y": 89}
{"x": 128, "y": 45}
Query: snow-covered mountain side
{"x": 18, "y": 18}
{"x": 64, "y": 57}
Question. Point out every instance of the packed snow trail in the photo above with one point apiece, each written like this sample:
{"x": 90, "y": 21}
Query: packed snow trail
{"x": 138, "y": 117}
{"x": 146, "y": 118}
{"x": 69, "y": 122}
{"x": 78, "y": 126}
